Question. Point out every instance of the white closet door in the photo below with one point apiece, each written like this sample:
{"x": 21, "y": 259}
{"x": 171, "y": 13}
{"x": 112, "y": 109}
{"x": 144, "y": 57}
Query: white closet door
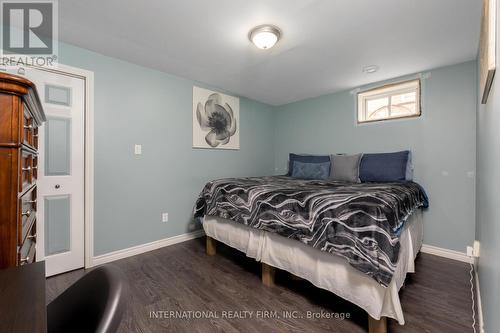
{"x": 60, "y": 216}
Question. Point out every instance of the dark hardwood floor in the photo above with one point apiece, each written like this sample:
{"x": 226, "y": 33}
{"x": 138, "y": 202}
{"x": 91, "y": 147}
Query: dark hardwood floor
{"x": 181, "y": 277}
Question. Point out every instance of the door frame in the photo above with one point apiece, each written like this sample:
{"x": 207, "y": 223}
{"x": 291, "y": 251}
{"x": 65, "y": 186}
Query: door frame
{"x": 88, "y": 77}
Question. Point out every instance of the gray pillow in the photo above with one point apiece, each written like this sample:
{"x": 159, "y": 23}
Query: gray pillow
{"x": 311, "y": 170}
{"x": 345, "y": 168}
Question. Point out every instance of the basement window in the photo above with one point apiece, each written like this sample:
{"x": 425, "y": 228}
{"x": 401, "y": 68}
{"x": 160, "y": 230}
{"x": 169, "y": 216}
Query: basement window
{"x": 392, "y": 101}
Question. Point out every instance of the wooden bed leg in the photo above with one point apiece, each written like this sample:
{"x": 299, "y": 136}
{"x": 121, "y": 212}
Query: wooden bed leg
{"x": 377, "y": 326}
{"x": 268, "y": 275}
{"x": 211, "y": 246}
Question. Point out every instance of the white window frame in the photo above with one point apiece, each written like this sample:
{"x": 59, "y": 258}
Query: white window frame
{"x": 388, "y": 90}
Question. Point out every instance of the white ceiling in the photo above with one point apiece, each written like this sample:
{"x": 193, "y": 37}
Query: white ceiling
{"x": 325, "y": 43}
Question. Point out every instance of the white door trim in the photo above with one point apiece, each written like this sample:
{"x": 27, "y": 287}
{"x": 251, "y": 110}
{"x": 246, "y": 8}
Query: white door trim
{"x": 88, "y": 77}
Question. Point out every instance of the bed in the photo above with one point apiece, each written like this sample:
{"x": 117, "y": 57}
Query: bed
{"x": 358, "y": 241}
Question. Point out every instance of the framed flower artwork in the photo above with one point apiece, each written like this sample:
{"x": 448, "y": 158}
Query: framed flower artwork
{"x": 216, "y": 120}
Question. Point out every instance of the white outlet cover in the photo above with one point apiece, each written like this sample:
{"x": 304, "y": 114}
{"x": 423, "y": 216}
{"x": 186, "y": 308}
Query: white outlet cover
{"x": 477, "y": 248}
{"x": 137, "y": 149}
{"x": 164, "y": 217}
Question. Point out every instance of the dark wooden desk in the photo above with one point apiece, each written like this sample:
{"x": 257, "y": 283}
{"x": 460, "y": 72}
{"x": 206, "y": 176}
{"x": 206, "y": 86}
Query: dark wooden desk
{"x": 22, "y": 299}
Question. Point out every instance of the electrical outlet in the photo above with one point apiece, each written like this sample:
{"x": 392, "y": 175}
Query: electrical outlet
{"x": 470, "y": 251}
{"x": 477, "y": 249}
{"x": 137, "y": 149}
{"x": 164, "y": 217}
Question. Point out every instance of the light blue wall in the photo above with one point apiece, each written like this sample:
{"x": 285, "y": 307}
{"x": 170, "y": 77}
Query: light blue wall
{"x": 488, "y": 207}
{"x": 488, "y": 203}
{"x": 443, "y": 142}
{"x": 136, "y": 105}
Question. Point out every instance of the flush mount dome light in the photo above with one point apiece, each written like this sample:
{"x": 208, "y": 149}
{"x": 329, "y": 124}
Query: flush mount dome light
{"x": 264, "y": 36}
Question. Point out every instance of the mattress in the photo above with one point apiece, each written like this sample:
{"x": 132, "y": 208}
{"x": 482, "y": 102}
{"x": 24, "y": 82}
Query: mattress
{"x": 361, "y": 222}
{"x": 325, "y": 270}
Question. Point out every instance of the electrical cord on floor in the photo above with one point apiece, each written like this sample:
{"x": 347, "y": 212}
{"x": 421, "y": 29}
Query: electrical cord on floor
{"x": 472, "y": 293}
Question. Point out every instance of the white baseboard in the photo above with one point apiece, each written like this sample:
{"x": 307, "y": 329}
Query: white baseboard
{"x": 135, "y": 250}
{"x": 445, "y": 253}
{"x": 479, "y": 303}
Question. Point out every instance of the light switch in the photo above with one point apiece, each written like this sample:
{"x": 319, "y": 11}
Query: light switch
{"x": 138, "y": 150}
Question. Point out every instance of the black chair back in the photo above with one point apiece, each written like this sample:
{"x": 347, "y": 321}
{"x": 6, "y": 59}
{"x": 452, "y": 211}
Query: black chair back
{"x": 95, "y": 303}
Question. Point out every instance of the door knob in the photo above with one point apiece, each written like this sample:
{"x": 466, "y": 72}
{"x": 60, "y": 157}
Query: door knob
{"x": 57, "y": 186}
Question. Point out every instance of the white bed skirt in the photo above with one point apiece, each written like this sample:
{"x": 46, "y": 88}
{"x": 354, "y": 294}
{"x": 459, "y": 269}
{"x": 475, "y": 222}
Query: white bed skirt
{"x": 322, "y": 269}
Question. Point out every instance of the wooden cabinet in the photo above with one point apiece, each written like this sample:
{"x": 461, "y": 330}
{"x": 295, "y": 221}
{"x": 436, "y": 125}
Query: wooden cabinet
{"x": 21, "y": 114}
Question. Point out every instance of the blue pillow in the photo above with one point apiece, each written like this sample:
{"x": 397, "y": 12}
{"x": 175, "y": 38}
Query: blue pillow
{"x": 306, "y": 159}
{"x": 311, "y": 170}
{"x": 385, "y": 167}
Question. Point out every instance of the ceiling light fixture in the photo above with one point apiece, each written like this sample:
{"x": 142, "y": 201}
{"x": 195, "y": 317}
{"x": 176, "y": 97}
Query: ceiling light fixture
{"x": 370, "y": 69}
{"x": 264, "y": 36}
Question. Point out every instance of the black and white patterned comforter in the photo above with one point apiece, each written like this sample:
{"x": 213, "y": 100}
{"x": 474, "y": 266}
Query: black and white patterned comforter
{"x": 360, "y": 222}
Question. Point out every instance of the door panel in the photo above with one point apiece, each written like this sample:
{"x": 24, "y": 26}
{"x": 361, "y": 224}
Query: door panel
{"x": 57, "y": 224}
{"x": 58, "y": 95}
{"x": 57, "y": 146}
